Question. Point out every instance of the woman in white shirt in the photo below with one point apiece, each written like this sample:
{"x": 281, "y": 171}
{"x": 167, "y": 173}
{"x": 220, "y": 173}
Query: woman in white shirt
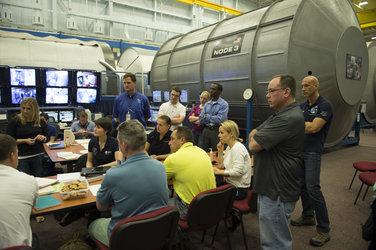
{"x": 234, "y": 162}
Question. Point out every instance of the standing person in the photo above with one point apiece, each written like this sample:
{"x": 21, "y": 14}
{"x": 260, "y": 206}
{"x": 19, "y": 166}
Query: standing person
{"x": 190, "y": 169}
{"x": 318, "y": 114}
{"x": 193, "y": 118}
{"x": 30, "y": 132}
{"x": 18, "y": 197}
{"x": 103, "y": 149}
{"x": 278, "y": 166}
{"x": 235, "y": 161}
{"x": 83, "y": 128}
{"x": 174, "y": 109}
{"x": 157, "y": 142}
{"x": 131, "y": 104}
{"x": 52, "y": 131}
{"x": 214, "y": 113}
{"x": 120, "y": 190}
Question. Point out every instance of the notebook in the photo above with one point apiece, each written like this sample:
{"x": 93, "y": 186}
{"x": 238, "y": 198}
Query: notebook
{"x": 56, "y": 145}
{"x": 46, "y": 201}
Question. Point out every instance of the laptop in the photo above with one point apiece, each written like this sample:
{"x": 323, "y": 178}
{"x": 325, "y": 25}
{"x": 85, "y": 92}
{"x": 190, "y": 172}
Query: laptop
{"x": 94, "y": 171}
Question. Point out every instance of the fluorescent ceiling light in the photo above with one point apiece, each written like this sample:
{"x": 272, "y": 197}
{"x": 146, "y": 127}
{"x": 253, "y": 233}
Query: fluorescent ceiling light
{"x": 374, "y": 38}
{"x": 363, "y": 3}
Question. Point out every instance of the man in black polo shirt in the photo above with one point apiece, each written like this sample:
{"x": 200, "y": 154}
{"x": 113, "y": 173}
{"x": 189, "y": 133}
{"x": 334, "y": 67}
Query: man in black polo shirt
{"x": 318, "y": 113}
{"x": 212, "y": 115}
{"x": 277, "y": 145}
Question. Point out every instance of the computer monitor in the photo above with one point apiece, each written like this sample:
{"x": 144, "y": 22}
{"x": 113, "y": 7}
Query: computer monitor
{"x": 166, "y": 96}
{"x": 18, "y": 94}
{"x": 85, "y": 95}
{"x": 54, "y": 114}
{"x": 153, "y": 115}
{"x": 22, "y": 77}
{"x": 57, "y": 78}
{"x": 184, "y": 96}
{"x": 87, "y": 79}
{"x": 66, "y": 115}
{"x": 157, "y": 96}
{"x": 57, "y": 96}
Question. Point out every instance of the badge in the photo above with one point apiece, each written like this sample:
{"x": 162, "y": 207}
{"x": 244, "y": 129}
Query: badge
{"x": 128, "y": 116}
{"x": 314, "y": 110}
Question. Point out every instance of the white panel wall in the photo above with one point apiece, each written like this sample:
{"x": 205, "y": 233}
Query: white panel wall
{"x": 129, "y": 20}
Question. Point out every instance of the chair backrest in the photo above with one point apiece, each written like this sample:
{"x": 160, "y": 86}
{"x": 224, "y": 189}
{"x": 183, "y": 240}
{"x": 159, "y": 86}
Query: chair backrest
{"x": 210, "y": 206}
{"x": 151, "y": 230}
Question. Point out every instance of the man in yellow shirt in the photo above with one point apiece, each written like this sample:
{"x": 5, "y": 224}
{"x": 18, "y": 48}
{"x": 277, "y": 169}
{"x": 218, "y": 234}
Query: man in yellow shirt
{"x": 190, "y": 169}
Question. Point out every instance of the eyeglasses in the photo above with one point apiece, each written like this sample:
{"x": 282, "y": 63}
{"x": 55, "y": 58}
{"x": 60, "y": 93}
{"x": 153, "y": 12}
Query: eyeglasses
{"x": 271, "y": 91}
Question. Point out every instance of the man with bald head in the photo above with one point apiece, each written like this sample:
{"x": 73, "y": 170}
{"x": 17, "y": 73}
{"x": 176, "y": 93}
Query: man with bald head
{"x": 318, "y": 113}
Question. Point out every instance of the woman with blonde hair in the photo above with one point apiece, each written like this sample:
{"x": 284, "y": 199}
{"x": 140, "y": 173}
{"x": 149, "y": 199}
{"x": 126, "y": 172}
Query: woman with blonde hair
{"x": 30, "y": 132}
{"x": 234, "y": 162}
{"x": 193, "y": 118}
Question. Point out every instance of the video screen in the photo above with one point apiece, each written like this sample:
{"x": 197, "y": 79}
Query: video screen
{"x": 86, "y": 79}
{"x": 66, "y": 116}
{"x": 166, "y": 95}
{"x": 56, "y": 95}
{"x": 57, "y": 78}
{"x": 153, "y": 115}
{"x": 22, "y": 77}
{"x": 184, "y": 96}
{"x": 157, "y": 96}
{"x": 53, "y": 114}
{"x": 86, "y": 95}
{"x": 18, "y": 94}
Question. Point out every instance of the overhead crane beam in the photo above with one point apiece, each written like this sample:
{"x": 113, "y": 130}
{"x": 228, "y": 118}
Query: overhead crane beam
{"x": 212, "y": 5}
{"x": 367, "y": 18}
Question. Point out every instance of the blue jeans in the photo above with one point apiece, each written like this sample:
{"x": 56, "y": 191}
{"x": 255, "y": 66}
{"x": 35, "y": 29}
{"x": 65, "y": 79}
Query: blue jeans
{"x": 197, "y": 138}
{"x": 32, "y": 166}
{"x": 274, "y": 219}
{"x": 313, "y": 201}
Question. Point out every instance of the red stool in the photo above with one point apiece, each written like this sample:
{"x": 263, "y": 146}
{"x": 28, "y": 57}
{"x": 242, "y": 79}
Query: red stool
{"x": 368, "y": 178}
{"x": 363, "y": 166}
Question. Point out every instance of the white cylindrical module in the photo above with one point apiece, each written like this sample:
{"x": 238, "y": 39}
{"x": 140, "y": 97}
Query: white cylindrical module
{"x": 299, "y": 37}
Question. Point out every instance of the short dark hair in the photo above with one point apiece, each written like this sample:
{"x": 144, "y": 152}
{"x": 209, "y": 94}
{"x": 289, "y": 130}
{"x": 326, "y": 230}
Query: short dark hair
{"x": 9, "y": 146}
{"x": 132, "y": 76}
{"x": 166, "y": 119}
{"x": 220, "y": 87}
{"x": 45, "y": 116}
{"x": 83, "y": 114}
{"x": 287, "y": 81}
{"x": 184, "y": 132}
{"x": 104, "y": 123}
{"x": 177, "y": 89}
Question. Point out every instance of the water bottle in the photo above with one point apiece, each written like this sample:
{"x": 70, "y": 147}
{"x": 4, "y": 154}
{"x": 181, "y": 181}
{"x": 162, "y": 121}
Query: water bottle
{"x": 67, "y": 141}
{"x": 211, "y": 154}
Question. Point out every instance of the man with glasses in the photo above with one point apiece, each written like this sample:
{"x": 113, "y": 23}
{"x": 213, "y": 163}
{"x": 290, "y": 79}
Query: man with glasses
{"x": 174, "y": 109}
{"x": 131, "y": 104}
{"x": 212, "y": 115}
{"x": 278, "y": 165}
{"x": 318, "y": 113}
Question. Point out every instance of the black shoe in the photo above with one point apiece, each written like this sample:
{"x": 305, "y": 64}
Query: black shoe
{"x": 71, "y": 216}
{"x": 235, "y": 221}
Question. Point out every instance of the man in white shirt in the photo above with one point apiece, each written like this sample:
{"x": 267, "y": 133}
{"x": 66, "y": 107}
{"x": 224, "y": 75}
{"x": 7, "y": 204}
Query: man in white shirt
{"x": 174, "y": 109}
{"x": 18, "y": 197}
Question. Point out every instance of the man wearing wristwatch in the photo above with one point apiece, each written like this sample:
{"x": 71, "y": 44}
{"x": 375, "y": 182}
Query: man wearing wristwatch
{"x": 213, "y": 114}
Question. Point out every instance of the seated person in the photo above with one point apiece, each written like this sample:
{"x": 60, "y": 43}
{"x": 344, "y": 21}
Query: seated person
{"x": 120, "y": 190}
{"x": 235, "y": 162}
{"x": 52, "y": 131}
{"x": 189, "y": 167}
{"x": 83, "y": 129}
{"x": 103, "y": 149}
{"x": 157, "y": 142}
{"x": 15, "y": 206}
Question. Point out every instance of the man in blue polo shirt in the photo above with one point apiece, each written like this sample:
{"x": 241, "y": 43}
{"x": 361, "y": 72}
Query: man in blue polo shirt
{"x": 318, "y": 113}
{"x": 212, "y": 115}
{"x": 131, "y": 104}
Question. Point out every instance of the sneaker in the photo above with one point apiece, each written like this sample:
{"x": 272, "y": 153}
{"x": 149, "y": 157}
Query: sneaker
{"x": 303, "y": 222}
{"x": 320, "y": 239}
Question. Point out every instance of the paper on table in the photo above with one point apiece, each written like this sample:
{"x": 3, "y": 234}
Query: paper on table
{"x": 44, "y": 182}
{"x": 68, "y": 155}
{"x": 84, "y": 151}
{"x": 83, "y": 141}
{"x": 69, "y": 176}
{"x": 49, "y": 189}
{"x": 94, "y": 189}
